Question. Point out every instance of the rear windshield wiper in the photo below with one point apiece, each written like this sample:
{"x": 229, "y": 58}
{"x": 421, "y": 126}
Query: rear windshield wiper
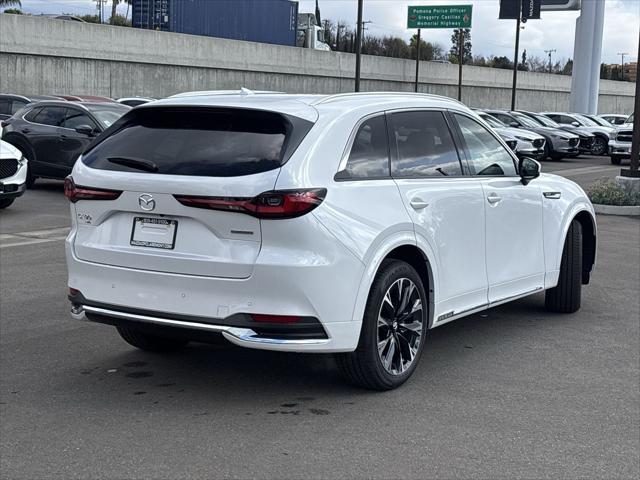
{"x": 137, "y": 163}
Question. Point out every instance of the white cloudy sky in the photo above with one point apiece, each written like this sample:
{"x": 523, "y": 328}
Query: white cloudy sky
{"x": 490, "y": 36}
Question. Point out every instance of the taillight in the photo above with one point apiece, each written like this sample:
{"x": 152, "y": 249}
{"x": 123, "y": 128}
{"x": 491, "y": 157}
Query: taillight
{"x": 75, "y": 192}
{"x": 278, "y": 204}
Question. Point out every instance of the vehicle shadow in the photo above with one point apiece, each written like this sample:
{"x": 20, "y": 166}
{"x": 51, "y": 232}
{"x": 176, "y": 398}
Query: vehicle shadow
{"x": 224, "y": 374}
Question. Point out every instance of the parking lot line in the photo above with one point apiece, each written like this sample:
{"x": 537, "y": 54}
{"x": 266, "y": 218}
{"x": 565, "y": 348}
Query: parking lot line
{"x": 32, "y": 237}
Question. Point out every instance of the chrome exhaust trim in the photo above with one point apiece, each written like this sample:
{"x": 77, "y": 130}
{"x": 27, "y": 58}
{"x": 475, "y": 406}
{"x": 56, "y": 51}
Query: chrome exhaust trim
{"x": 244, "y": 337}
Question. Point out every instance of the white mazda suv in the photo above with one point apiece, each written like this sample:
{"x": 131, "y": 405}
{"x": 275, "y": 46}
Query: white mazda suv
{"x": 349, "y": 223}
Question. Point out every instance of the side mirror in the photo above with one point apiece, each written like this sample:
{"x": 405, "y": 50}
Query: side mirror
{"x": 514, "y": 124}
{"x": 529, "y": 170}
{"x": 575, "y": 124}
{"x": 85, "y": 130}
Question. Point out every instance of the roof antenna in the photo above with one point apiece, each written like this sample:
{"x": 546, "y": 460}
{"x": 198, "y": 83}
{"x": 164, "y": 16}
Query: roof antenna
{"x": 246, "y": 91}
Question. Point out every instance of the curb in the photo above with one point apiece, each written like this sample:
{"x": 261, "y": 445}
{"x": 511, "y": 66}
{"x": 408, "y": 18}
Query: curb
{"x": 632, "y": 211}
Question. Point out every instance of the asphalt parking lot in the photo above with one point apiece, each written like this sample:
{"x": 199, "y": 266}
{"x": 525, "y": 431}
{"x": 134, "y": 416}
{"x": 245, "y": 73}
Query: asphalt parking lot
{"x": 513, "y": 392}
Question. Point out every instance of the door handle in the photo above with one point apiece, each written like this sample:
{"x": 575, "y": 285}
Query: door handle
{"x": 494, "y": 199}
{"x": 25, "y": 130}
{"x": 418, "y": 204}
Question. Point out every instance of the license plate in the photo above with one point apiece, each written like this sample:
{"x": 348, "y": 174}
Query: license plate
{"x": 154, "y": 232}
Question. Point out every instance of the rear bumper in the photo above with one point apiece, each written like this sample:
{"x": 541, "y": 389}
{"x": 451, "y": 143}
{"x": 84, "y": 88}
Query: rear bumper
{"x": 299, "y": 283}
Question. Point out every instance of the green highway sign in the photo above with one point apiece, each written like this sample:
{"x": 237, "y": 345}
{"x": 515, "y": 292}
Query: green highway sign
{"x": 442, "y": 16}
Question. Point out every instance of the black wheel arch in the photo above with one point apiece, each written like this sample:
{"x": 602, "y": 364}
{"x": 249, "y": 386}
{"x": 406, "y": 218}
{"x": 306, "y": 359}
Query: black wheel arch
{"x": 589, "y": 243}
{"x": 415, "y": 257}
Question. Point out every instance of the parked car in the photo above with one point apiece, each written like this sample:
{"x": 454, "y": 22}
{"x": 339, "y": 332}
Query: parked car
{"x": 10, "y": 103}
{"x": 586, "y": 138}
{"x": 13, "y": 174}
{"x": 51, "y": 134}
{"x": 87, "y": 98}
{"x": 600, "y": 121}
{"x": 348, "y": 224}
{"x": 602, "y": 134}
{"x": 620, "y": 144}
{"x": 615, "y": 118}
{"x": 529, "y": 144}
{"x": 134, "y": 101}
{"x": 558, "y": 142}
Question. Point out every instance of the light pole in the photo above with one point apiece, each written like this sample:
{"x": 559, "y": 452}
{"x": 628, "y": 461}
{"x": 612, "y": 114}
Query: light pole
{"x": 515, "y": 58}
{"x": 550, "y": 52}
{"x": 358, "y": 45}
{"x": 622, "y": 54}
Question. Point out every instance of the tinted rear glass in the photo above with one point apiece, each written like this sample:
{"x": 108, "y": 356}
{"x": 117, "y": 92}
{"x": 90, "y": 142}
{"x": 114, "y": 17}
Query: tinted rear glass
{"x": 199, "y": 142}
{"x": 108, "y": 114}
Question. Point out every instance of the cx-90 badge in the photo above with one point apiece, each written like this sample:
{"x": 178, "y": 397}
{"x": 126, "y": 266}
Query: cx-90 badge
{"x": 146, "y": 202}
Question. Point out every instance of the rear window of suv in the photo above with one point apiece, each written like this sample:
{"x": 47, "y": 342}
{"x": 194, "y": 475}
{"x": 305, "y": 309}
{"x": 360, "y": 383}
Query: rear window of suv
{"x": 198, "y": 141}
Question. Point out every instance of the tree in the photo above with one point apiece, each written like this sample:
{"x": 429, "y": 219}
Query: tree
{"x": 568, "y": 68}
{"x": 523, "y": 63}
{"x": 91, "y": 18}
{"x": 501, "y": 62}
{"x": 15, "y": 11}
{"x": 428, "y": 50}
{"x": 455, "y": 46}
{"x": 120, "y": 21}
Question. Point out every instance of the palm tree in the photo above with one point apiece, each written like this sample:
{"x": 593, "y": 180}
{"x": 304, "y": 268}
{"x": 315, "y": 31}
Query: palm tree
{"x": 9, "y": 3}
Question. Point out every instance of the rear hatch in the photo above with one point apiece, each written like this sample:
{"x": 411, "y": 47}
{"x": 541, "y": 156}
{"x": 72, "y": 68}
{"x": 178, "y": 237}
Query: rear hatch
{"x": 139, "y": 192}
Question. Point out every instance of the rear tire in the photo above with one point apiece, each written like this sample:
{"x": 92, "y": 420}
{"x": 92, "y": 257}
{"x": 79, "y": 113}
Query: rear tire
{"x": 566, "y": 296}
{"x": 392, "y": 319}
{"x": 615, "y": 160}
{"x": 6, "y": 202}
{"x": 150, "y": 343}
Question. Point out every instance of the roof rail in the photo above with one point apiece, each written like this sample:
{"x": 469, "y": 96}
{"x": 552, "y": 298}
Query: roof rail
{"x": 339, "y": 96}
{"x": 207, "y": 93}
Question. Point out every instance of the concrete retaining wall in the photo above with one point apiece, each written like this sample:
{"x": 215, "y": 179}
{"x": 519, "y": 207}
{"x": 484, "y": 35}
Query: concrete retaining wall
{"x": 39, "y": 55}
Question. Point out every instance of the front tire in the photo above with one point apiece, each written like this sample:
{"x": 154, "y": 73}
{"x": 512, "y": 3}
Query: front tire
{"x": 6, "y": 202}
{"x": 599, "y": 146}
{"x": 393, "y": 330}
{"x": 149, "y": 342}
{"x": 566, "y": 296}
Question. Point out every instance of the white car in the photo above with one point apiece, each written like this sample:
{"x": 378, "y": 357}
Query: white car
{"x": 615, "y": 118}
{"x": 620, "y": 144}
{"x": 13, "y": 174}
{"x": 530, "y": 144}
{"x": 348, "y": 223}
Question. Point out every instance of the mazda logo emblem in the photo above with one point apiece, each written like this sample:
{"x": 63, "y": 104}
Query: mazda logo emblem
{"x": 146, "y": 202}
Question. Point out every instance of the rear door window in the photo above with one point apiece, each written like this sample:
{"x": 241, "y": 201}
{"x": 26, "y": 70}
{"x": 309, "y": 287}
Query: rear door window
{"x": 198, "y": 141}
{"x": 17, "y": 105}
{"x": 5, "y": 107}
{"x": 53, "y": 116}
{"x": 424, "y": 146}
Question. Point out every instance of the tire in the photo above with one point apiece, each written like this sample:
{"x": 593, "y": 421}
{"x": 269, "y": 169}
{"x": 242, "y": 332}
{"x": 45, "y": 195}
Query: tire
{"x": 615, "y": 160}
{"x": 599, "y": 146}
{"x": 150, "y": 343}
{"x": 547, "y": 151}
{"x": 402, "y": 327}
{"x": 30, "y": 178}
{"x": 6, "y": 202}
{"x": 566, "y": 296}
